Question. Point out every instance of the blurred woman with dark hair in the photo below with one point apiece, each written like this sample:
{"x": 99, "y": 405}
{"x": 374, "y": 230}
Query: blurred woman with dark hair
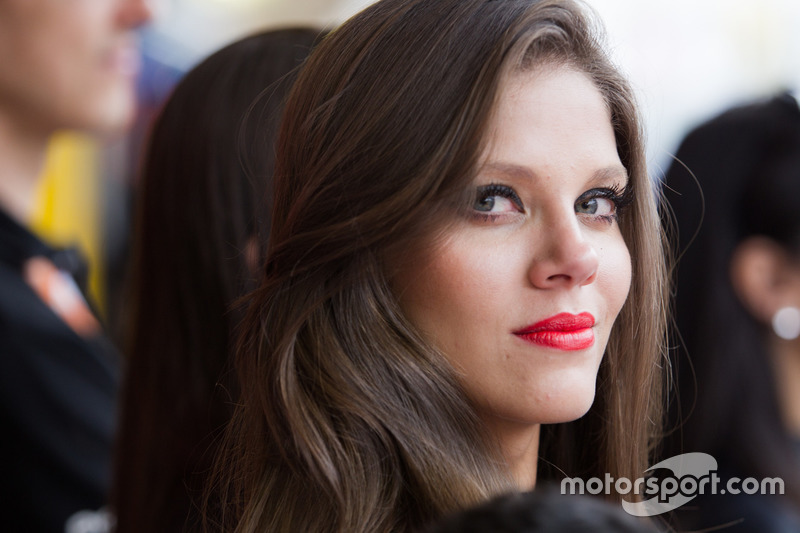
{"x": 737, "y": 310}
{"x": 202, "y": 228}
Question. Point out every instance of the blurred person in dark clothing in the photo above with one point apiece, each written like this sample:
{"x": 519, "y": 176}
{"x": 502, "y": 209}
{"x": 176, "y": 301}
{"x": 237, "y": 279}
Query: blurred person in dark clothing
{"x": 544, "y": 510}
{"x": 63, "y": 65}
{"x": 737, "y": 359}
{"x": 203, "y": 214}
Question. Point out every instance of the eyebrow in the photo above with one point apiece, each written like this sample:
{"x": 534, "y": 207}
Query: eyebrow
{"x": 602, "y": 175}
{"x": 611, "y": 173}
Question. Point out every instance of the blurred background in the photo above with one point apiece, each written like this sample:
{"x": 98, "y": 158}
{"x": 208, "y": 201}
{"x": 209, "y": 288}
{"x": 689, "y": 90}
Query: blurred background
{"x": 687, "y": 59}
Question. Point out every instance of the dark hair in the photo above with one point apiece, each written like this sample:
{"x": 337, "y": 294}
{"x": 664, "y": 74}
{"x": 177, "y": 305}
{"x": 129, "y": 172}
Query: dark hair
{"x": 350, "y": 420}
{"x": 202, "y": 223}
{"x": 747, "y": 163}
{"x": 545, "y": 510}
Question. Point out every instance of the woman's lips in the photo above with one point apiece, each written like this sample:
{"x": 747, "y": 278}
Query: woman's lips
{"x": 563, "y": 331}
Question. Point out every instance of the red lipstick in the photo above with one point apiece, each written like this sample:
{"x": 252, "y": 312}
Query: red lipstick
{"x": 563, "y": 331}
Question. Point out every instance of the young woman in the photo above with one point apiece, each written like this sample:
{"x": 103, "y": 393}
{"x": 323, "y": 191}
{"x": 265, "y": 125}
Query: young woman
{"x": 464, "y": 288}
{"x": 203, "y": 221}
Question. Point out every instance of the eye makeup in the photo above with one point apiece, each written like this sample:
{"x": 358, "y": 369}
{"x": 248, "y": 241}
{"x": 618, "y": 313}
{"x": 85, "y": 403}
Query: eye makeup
{"x": 615, "y": 197}
{"x": 494, "y": 201}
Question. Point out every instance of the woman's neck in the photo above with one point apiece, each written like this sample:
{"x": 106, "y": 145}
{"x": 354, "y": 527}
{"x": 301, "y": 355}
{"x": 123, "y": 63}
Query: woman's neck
{"x": 520, "y": 444}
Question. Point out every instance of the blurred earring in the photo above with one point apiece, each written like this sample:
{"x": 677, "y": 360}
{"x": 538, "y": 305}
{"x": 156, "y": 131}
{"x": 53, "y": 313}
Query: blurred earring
{"x": 786, "y": 323}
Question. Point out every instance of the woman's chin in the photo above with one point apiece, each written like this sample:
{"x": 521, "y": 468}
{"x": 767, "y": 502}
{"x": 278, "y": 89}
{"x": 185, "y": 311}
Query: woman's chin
{"x": 557, "y": 407}
{"x": 569, "y": 411}
{"x": 567, "y": 400}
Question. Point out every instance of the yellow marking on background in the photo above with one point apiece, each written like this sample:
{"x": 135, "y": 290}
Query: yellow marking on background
{"x": 68, "y": 206}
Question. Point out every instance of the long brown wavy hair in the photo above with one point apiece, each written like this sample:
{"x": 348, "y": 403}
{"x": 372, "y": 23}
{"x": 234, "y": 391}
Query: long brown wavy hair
{"x": 350, "y": 420}
{"x": 199, "y": 209}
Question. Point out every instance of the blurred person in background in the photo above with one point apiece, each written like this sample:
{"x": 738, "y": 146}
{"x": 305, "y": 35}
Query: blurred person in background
{"x": 63, "y": 65}
{"x": 202, "y": 224}
{"x": 545, "y": 510}
{"x": 737, "y": 311}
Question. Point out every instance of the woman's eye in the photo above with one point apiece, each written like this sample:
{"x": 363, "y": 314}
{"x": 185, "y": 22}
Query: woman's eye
{"x": 494, "y": 204}
{"x": 596, "y": 206}
{"x": 497, "y": 199}
{"x": 604, "y": 204}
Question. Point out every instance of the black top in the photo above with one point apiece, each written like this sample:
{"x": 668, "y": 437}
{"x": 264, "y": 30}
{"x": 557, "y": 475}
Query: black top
{"x": 57, "y": 398}
{"x": 738, "y": 513}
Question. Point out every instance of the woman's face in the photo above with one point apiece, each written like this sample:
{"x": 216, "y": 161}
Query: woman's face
{"x": 520, "y": 294}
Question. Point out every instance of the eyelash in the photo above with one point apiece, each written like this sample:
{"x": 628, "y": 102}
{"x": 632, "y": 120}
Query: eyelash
{"x": 621, "y": 197}
{"x": 496, "y": 189}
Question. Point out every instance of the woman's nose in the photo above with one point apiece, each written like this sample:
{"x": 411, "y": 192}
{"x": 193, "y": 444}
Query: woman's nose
{"x": 564, "y": 258}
